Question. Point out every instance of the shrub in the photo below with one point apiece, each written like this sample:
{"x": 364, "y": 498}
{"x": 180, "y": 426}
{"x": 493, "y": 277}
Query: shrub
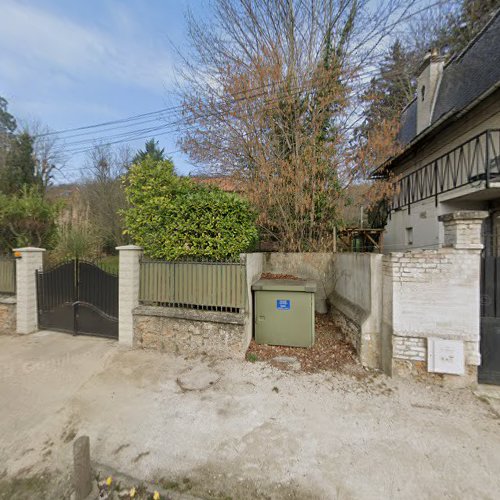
{"x": 171, "y": 217}
{"x": 27, "y": 219}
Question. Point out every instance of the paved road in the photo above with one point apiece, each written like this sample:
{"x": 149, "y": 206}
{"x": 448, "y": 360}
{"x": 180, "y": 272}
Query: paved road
{"x": 248, "y": 431}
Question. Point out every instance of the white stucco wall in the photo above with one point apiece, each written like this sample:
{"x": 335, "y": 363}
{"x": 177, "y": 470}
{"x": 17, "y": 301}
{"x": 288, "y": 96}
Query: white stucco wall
{"x": 484, "y": 116}
{"x": 428, "y": 232}
{"x": 423, "y": 219}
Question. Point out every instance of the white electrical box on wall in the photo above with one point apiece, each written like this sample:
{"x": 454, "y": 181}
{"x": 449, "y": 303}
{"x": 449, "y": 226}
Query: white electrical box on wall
{"x": 445, "y": 356}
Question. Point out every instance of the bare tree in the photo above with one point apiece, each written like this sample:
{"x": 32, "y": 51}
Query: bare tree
{"x": 47, "y": 150}
{"x": 272, "y": 95}
{"x": 103, "y": 194}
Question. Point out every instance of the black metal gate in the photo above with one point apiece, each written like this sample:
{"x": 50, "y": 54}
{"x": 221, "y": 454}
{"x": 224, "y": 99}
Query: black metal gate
{"x": 78, "y": 297}
{"x": 489, "y": 371}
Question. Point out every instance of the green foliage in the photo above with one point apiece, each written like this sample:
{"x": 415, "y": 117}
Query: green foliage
{"x": 252, "y": 357}
{"x": 19, "y": 169}
{"x": 395, "y": 85}
{"x": 152, "y": 150}
{"x": 77, "y": 241}
{"x": 465, "y": 24}
{"x": 390, "y": 92}
{"x": 27, "y": 219}
{"x": 171, "y": 217}
{"x": 7, "y": 121}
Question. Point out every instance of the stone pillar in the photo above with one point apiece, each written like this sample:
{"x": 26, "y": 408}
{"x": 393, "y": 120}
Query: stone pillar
{"x": 462, "y": 229}
{"x": 128, "y": 291}
{"x": 29, "y": 260}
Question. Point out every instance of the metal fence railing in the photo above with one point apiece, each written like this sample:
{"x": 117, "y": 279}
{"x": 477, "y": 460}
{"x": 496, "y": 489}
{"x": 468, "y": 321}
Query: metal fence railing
{"x": 213, "y": 286}
{"x": 473, "y": 162}
{"x": 7, "y": 275}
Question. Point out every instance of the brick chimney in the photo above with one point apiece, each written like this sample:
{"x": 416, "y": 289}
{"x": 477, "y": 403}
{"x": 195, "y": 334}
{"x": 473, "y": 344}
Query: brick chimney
{"x": 427, "y": 86}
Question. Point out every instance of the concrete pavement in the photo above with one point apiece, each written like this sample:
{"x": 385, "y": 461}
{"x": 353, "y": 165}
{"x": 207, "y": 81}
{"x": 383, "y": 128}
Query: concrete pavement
{"x": 229, "y": 429}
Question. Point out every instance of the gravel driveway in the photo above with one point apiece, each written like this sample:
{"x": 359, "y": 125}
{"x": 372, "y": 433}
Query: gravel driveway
{"x": 227, "y": 429}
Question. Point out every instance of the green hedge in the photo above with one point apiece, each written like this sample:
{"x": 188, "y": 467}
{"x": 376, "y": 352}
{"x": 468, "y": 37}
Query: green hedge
{"x": 171, "y": 217}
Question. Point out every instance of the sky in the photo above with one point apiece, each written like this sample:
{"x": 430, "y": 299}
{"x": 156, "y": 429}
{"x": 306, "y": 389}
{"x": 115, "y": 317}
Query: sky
{"x": 69, "y": 64}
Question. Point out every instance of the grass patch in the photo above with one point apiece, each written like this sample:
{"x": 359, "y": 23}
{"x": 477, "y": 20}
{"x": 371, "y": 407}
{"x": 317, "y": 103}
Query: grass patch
{"x": 181, "y": 486}
{"x": 109, "y": 264}
{"x": 24, "y": 488}
{"x": 252, "y": 357}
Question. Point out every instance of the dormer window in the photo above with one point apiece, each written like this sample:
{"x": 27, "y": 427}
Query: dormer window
{"x": 422, "y": 91}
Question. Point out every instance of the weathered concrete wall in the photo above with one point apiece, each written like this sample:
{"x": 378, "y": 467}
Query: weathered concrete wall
{"x": 190, "y": 332}
{"x": 391, "y": 305}
{"x": 7, "y": 315}
{"x": 313, "y": 266}
{"x": 356, "y": 302}
{"x": 254, "y": 268}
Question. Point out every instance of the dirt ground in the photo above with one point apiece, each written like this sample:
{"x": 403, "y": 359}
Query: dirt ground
{"x": 247, "y": 430}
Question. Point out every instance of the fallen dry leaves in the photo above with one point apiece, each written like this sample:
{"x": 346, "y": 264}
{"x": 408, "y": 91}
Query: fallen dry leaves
{"x": 273, "y": 276}
{"x": 331, "y": 351}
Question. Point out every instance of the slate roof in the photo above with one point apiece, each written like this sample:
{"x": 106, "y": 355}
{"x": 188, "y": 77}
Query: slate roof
{"x": 466, "y": 77}
{"x": 408, "y": 129}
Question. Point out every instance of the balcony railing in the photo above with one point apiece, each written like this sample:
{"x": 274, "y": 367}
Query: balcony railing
{"x": 474, "y": 162}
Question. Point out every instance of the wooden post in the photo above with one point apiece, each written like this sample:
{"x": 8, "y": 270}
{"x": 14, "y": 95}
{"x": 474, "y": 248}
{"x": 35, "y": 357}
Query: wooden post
{"x": 335, "y": 239}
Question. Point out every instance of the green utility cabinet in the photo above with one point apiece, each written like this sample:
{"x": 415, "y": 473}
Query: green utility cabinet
{"x": 284, "y": 312}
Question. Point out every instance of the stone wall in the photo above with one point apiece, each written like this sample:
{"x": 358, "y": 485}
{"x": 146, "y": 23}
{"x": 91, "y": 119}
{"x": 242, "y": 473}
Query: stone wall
{"x": 190, "y": 332}
{"x": 350, "y": 329}
{"x": 7, "y": 315}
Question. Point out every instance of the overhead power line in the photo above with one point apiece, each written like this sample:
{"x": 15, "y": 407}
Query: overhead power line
{"x": 170, "y": 126}
{"x": 157, "y": 116}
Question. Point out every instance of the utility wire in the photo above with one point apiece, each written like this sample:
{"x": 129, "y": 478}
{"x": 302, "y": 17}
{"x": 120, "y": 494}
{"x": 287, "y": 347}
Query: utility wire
{"x": 155, "y": 116}
{"x": 158, "y": 115}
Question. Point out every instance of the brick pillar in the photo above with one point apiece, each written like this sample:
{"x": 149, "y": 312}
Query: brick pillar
{"x": 128, "y": 291}
{"x": 29, "y": 260}
{"x": 462, "y": 229}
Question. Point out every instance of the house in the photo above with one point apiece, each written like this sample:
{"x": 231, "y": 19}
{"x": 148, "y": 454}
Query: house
{"x": 450, "y": 137}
